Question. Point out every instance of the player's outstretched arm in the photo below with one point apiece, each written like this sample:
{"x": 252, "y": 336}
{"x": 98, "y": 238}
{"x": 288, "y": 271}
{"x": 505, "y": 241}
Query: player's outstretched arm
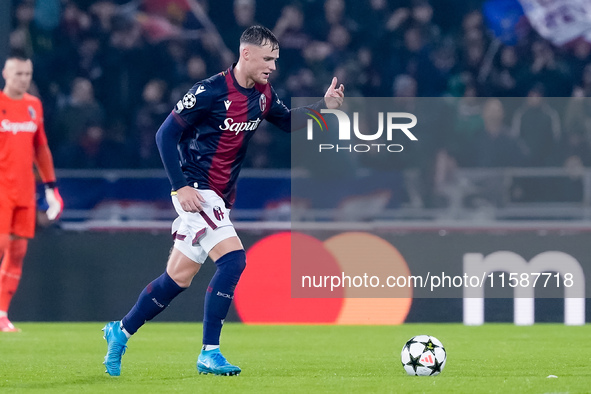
{"x": 296, "y": 118}
{"x": 333, "y": 98}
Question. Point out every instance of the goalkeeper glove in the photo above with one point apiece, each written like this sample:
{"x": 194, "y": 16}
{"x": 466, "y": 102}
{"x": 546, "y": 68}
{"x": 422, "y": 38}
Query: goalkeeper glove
{"x": 54, "y": 201}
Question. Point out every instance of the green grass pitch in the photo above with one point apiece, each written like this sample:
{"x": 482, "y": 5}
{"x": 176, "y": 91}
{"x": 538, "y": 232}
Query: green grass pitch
{"x": 494, "y": 358}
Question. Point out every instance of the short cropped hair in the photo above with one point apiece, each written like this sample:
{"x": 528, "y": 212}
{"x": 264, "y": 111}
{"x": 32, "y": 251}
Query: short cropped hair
{"x": 259, "y": 36}
{"x": 18, "y": 55}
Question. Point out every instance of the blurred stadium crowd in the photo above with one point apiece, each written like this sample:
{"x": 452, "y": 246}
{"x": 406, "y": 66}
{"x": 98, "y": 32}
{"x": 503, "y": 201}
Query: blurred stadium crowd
{"x": 109, "y": 72}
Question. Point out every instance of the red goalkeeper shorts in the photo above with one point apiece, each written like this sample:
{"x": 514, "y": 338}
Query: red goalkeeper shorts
{"x": 17, "y": 220}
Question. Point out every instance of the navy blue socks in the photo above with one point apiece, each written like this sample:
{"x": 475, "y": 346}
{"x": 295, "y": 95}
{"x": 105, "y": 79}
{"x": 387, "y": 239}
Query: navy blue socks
{"x": 218, "y": 297}
{"x": 220, "y": 293}
{"x": 152, "y": 300}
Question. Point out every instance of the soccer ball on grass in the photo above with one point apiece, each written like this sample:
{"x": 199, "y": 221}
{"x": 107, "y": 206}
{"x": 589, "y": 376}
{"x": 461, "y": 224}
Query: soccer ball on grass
{"x": 423, "y": 355}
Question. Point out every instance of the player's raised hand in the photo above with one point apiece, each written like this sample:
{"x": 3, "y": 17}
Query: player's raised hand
{"x": 190, "y": 199}
{"x": 334, "y": 96}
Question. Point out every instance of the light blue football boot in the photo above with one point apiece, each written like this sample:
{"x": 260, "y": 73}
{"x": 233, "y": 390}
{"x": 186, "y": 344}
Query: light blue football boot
{"x": 117, "y": 343}
{"x": 212, "y": 361}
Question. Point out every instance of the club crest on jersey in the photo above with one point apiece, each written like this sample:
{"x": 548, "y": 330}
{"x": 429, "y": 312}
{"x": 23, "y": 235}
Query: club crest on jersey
{"x": 218, "y": 213}
{"x": 32, "y": 112}
{"x": 263, "y": 102}
{"x": 189, "y": 100}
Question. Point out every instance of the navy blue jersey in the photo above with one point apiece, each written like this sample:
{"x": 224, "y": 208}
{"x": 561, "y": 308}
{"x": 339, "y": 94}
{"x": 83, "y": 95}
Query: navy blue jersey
{"x": 209, "y": 130}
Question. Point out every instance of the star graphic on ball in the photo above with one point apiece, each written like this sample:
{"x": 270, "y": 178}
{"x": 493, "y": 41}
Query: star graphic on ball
{"x": 430, "y": 346}
{"x": 409, "y": 343}
{"x": 414, "y": 362}
{"x": 436, "y": 367}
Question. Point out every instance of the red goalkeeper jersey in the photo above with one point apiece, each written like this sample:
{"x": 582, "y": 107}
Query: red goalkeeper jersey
{"x": 21, "y": 133}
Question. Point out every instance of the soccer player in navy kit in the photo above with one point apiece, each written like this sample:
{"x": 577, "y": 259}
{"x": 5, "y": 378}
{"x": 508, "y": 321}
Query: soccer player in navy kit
{"x": 203, "y": 144}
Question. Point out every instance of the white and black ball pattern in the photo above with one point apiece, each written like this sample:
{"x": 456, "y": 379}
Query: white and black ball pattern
{"x": 423, "y": 355}
{"x": 189, "y": 100}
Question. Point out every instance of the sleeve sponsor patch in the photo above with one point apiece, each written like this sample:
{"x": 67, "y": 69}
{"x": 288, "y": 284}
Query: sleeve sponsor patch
{"x": 179, "y": 107}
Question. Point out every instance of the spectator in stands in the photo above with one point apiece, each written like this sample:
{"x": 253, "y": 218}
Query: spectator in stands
{"x": 302, "y": 83}
{"x": 576, "y": 139}
{"x": 578, "y": 58}
{"x": 80, "y": 109}
{"x": 194, "y": 70}
{"x": 339, "y": 39}
{"x": 102, "y": 13}
{"x": 20, "y": 37}
{"x": 290, "y": 31}
{"x": 335, "y": 14}
{"x": 75, "y": 22}
{"x": 366, "y": 78}
{"x": 315, "y": 56}
{"x": 413, "y": 58}
{"x": 468, "y": 123}
{"x": 538, "y": 125}
{"x": 244, "y": 12}
{"x": 150, "y": 115}
{"x": 548, "y": 71}
{"x": 404, "y": 86}
{"x": 507, "y": 68}
{"x": 373, "y": 17}
{"x": 473, "y": 44}
{"x": 445, "y": 65}
{"x": 496, "y": 146}
{"x": 585, "y": 83}
{"x": 370, "y": 45}
{"x": 93, "y": 149}
{"x": 89, "y": 63}
{"x": 127, "y": 65}
{"x": 422, "y": 15}
{"x": 174, "y": 61}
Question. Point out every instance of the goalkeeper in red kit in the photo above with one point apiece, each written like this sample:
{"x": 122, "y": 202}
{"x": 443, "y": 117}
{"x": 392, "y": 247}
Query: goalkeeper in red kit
{"x": 22, "y": 143}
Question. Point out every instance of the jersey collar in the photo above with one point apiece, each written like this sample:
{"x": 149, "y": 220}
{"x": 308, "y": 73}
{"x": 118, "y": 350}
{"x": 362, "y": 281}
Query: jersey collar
{"x": 241, "y": 89}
